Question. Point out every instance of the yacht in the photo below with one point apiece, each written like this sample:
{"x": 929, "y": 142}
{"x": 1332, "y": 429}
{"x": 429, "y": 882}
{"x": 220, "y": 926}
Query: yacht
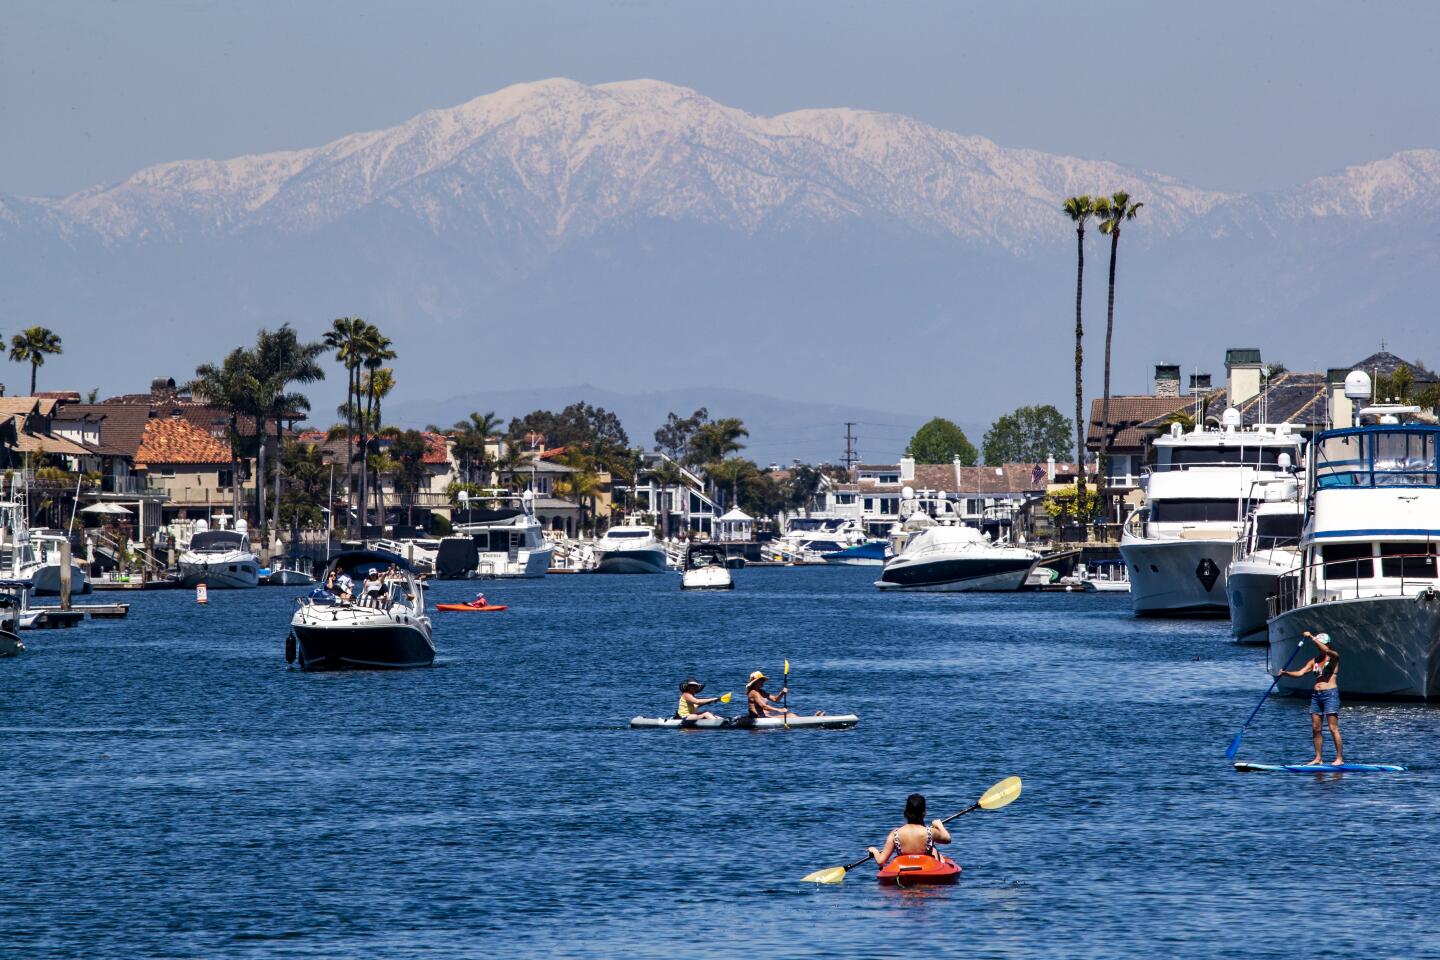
{"x": 329, "y": 632}
{"x": 504, "y": 540}
{"x": 1367, "y": 574}
{"x": 935, "y": 551}
{"x": 1268, "y": 548}
{"x": 220, "y": 559}
{"x": 816, "y": 539}
{"x": 37, "y": 558}
{"x": 869, "y": 553}
{"x": 629, "y": 548}
{"x": 291, "y": 573}
{"x": 1178, "y": 546}
{"x": 705, "y": 568}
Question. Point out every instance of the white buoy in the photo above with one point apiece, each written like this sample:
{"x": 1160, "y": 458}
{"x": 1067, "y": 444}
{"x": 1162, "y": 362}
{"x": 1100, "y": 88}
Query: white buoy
{"x": 200, "y": 596}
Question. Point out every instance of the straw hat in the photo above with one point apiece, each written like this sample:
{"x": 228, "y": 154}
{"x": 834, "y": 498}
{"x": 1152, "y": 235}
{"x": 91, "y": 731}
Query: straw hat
{"x": 755, "y": 678}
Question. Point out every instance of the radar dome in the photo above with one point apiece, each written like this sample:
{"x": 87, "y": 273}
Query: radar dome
{"x": 907, "y": 492}
{"x": 1357, "y": 385}
{"x": 1230, "y": 418}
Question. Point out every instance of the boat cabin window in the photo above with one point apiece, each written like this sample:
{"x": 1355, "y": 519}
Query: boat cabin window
{"x": 1407, "y": 560}
{"x": 217, "y": 540}
{"x": 1277, "y": 530}
{"x": 1264, "y": 458}
{"x": 1396, "y": 457}
{"x": 1348, "y": 561}
{"x": 627, "y": 534}
{"x": 1196, "y": 511}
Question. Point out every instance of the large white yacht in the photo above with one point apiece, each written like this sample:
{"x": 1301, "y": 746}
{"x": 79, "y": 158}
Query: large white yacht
{"x": 33, "y": 554}
{"x": 629, "y": 548}
{"x": 1178, "y": 546}
{"x": 1268, "y": 548}
{"x": 220, "y": 559}
{"x": 1368, "y": 557}
{"x": 504, "y": 541}
{"x": 936, "y": 552}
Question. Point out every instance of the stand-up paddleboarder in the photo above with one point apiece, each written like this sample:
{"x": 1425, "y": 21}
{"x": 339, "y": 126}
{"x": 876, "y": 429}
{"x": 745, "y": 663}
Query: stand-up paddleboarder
{"x": 1325, "y": 699}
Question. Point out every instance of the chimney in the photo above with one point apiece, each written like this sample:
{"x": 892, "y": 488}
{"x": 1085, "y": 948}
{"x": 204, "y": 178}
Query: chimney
{"x": 163, "y": 388}
{"x": 1242, "y": 371}
{"x": 1342, "y": 410}
{"x": 907, "y": 469}
{"x": 1199, "y": 383}
{"x": 1050, "y": 467}
{"x": 1167, "y": 380}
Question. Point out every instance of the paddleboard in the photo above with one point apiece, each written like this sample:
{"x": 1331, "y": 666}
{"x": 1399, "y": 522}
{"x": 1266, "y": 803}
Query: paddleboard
{"x": 1320, "y": 767}
{"x": 842, "y": 721}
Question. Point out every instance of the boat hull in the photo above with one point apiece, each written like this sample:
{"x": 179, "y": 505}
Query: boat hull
{"x": 1177, "y": 577}
{"x": 225, "y": 575}
{"x": 870, "y": 554}
{"x": 842, "y": 721}
{"x": 632, "y": 561}
{"x": 710, "y": 578}
{"x": 956, "y": 575}
{"x": 1248, "y": 588}
{"x": 377, "y": 646}
{"x": 531, "y": 565}
{"x": 45, "y": 582}
{"x": 290, "y": 578}
{"x": 1389, "y": 646}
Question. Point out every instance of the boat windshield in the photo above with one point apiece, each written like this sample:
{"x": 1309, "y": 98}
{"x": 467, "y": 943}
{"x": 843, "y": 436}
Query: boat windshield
{"x": 1277, "y": 530}
{"x": 627, "y": 534}
{"x": 1231, "y": 455}
{"x": 1398, "y": 456}
{"x": 213, "y": 541}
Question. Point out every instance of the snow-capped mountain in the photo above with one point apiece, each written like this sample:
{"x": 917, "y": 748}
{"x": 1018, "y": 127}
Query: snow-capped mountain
{"x": 631, "y": 233}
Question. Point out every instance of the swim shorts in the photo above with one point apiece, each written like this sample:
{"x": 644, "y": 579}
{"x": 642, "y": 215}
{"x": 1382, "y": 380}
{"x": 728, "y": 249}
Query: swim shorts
{"x": 1325, "y": 702}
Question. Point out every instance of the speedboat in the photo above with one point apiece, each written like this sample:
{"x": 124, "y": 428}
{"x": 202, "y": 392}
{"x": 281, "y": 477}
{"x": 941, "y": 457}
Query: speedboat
{"x": 1178, "y": 547}
{"x": 1367, "y": 574}
{"x": 38, "y": 556}
{"x": 220, "y": 559}
{"x": 503, "y": 541}
{"x": 814, "y": 539}
{"x": 705, "y": 569}
{"x": 870, "y": 553}
{"x": 936, "y": 552}
{"x": 1268, "y": 548}
{"x": 629, "y": 548}
{"x": 290, "y": 576}
{"x": 329, "y": 632}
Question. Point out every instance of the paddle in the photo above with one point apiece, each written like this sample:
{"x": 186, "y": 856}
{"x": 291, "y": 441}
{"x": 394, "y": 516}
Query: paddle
{"x": 725, "y": 697}
{"x": 785, "y": 697}
{"x": 1000, "y": 795}
{"x": 1234, "y": 747}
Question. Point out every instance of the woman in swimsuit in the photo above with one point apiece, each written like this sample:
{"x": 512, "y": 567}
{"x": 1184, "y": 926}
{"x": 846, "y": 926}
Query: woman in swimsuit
{"x": 689, "y": 707}
{"x": 914, "y": 837}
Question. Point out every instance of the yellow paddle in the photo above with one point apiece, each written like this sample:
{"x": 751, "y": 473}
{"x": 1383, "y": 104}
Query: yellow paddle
{"x": 1000, "y": 795}
{"x": 725, "y": 697}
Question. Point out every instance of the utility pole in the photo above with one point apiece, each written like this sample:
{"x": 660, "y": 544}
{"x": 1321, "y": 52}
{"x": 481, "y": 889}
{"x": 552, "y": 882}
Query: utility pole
{"x": 851, "y": 457}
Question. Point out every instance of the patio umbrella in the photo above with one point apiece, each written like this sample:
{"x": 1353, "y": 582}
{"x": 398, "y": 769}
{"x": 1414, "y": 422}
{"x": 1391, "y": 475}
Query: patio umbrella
{"x": 110, "y": 508}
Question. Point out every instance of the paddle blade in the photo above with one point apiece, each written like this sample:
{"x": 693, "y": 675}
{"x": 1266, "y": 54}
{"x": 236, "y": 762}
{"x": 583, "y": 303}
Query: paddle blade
{"x": 832, "y": 875}
{"x": 787, "y": 668}
{"x": 1234, "y": 747}
{"x": 725, "y": 697}
{"x": 1001, "y": 795}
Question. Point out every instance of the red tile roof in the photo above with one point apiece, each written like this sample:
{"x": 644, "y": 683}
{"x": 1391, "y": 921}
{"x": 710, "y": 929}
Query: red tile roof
{"x": 436, "y": 449}
{"x": 177, "y": 440}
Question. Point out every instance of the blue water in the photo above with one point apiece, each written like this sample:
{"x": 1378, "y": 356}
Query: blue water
{"x": 169, "y": 788}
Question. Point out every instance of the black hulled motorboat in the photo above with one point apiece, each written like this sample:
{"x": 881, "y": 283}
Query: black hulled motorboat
{"x": 391, "y": 631}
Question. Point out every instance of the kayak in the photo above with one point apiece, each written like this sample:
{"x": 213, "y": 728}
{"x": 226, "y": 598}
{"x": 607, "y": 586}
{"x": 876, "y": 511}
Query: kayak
{"x": 914, "y": 869}
{"x": 841, "y": 721}
{"x": 1320, "y": 767}
{"x": 470, "y": 606}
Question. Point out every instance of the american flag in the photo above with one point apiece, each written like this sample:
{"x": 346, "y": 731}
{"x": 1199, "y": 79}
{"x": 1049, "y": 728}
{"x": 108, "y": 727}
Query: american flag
{"x": 1037, "y": 474}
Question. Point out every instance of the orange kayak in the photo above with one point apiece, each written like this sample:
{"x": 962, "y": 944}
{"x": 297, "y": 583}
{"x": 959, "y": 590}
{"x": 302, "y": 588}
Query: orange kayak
{"x": 914, "y": 869}
{"x": 470, "y": 606}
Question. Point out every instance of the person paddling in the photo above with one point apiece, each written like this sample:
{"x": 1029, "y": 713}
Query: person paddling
{"x": 480, "y": 601}
{"x": 914, "y": 837}
{"x": 691, "y": 704}
{"x": 1325, "y": 698}
{"x": 760, "y": 703}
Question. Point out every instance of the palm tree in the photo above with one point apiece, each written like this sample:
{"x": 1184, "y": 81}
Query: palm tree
{"x": 732, "y": 471}
{"x": 512, "y": 460}
{"x": 471, "y": 440}
{"x": 282, "y": 360}
{"x": 1079, "y": 209}
{"x": 376, "y": 349}
{"x": 1111, "y": 212}
{"x": 32, "y": 345}
{"x": 346, "y": 336}
{"x": 232, "y": 386}
{"x": 668, "y": 475}
{"x": 715, "y": 441}
{"x": 582, "y": 486}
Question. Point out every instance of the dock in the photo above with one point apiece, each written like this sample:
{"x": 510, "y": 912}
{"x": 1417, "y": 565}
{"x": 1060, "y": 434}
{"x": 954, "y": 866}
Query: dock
{"x": 53, "y": 617}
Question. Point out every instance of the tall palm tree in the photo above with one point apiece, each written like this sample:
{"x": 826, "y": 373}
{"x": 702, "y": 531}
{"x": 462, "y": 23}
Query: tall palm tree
{"x": 1111, "y": 212}
{"x": 377, "y": 384}
{"x": 232, "y": 386}
{"x": 471, "y": 439}
{"x": 582, "y": 486}
{"x": 346, "y": 336}
{"x": 1079, "y": 209}
{"x": 376, "y": 349}
{"x": 512, "y": 459}
{"x": 32, "y": 345}
{"x": 282, "y": 359}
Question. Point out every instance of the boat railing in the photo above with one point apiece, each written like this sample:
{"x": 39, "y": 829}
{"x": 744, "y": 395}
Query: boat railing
{"x": 1292, "y": 588}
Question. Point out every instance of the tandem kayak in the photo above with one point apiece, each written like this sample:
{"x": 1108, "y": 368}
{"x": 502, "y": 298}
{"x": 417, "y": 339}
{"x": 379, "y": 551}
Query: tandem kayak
{"x": 1320, "y": 767}
{"x": 840, "y": 721}
{"x": 470, "y": 606}
{"x": 915, "y": 869}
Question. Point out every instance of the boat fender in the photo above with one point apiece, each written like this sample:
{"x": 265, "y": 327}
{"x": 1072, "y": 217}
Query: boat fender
{"x": 289, "y": 648}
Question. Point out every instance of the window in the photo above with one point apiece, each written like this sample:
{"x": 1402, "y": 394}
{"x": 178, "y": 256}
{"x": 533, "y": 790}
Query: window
{"x": 1407, "y": 560}
{"x": 1277, "y": 530}
{"x": 844, "y": 498}
{"x": 889, "y": 478}
{"x": 1196, "y": 511}
{"x": 974, "y": 506}
{"x": 869, "y": 503}
{"x": 1348, "y": 561}
{"x": 1263, "y": 457}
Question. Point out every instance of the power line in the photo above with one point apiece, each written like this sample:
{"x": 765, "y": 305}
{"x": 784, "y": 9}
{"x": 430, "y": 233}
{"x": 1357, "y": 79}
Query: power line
{"x": 850, "y": 455}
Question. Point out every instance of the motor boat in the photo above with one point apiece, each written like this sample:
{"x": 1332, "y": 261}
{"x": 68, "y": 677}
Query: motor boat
{"x": 870, "y": 553}
{"x": 1178, "y": 547}
{"x": 37, "y": 558}
{"x": 814, "y": 539}
{"x": 1367, "y": 574}
{"x": 705, "y": 568}
{"x": 629, "y": 548}
{"x": 936, "y": 552}
{"x": 1103, "y": 576}
{"x": 220, "y": 559}
{"x": 1268, "y": 548}
{"x": 503, "y": 540}
{"x": 290, "y": 575}
{"x": 391, "y": 631}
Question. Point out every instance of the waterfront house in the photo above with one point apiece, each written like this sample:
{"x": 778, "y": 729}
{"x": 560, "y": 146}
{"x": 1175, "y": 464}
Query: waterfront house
{"x": 189, "y": 465}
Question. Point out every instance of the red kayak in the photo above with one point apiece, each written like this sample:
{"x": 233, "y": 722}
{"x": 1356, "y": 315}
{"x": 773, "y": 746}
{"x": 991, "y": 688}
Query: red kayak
{"x": 470, "y": 606}
{"x": 914, "y": 869}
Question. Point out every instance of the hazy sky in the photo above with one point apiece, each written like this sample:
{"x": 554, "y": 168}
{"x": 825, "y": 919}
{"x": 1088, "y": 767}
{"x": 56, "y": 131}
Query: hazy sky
{"x": 1232, "y": 96}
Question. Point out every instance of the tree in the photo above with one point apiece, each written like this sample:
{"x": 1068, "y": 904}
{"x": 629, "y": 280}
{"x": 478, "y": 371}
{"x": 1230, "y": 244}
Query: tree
{"x": 307, "y": 486}
{"x": 583, "y": 487}
{"x": 233, "y": 387}
{"x": 1400, "y": 386}
{"x": 471, "y": 437}
{"x": 376, "y": 349}
{"x": 667, "y": 475}
{"x": 1111, "y": 211}
{"x": 714, "y": 441}
{"x": 1080, "y": 209}
{"x": 941, "y": 441}
{"x": 801, "y": 488}
{"x": 673, "y": 439}
{"x": 407, "y": 449}
{"x": 1061, "y": 506}
{"x": 1027, "y": 435}
{"x": 577, "y": 425}
{"x": 761, "y": 496}
{"x": 732, "y": 472}
{"x": 282, "y": 359}
{"x": 32, "y": 345}
{"x": 346, "y": 337}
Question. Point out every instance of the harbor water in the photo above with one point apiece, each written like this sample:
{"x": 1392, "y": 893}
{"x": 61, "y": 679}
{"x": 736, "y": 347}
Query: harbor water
{"x": 168, "y": 787}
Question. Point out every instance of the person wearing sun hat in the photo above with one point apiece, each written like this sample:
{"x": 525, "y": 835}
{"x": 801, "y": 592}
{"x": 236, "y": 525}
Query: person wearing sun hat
{"x": 760, "y": 702}
{"x": 690, "y": 702}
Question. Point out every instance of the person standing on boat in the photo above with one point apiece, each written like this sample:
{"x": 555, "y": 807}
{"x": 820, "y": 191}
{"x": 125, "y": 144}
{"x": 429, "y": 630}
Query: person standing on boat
{"x": 1325, "y": 699}
{"x": 914, "y": 837}
{"x": 691, "y": 704}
